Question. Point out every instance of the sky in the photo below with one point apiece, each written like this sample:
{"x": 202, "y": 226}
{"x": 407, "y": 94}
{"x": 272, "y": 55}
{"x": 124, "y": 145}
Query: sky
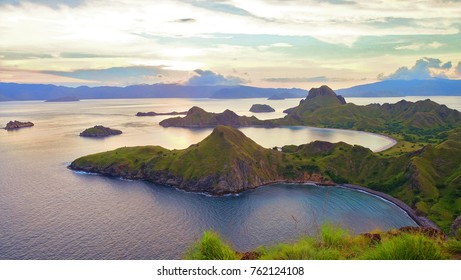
{"x": 264, "y": 43}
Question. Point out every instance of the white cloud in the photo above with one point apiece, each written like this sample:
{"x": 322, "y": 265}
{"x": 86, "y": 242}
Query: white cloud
{"x": 417, "y": 47}
{"x": 210, "y": 78}
{"x": 424, "y": 69}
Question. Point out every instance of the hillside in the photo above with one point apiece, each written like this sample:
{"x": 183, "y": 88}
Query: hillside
{"x": 389, "y": 88}
{"x": 421, "y": 120}
{"x": 225, "y": 162}
{"x": 429, "y": 180}
{"x": 229, "y": 162}
{"x": 197, "y": 117}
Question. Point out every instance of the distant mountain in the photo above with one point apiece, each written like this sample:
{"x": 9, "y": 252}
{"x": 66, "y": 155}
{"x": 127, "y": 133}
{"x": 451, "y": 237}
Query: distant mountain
{"x": 13, "y": 91}
{"x": 389, "y": 88}
{"x": 254, "y": 92}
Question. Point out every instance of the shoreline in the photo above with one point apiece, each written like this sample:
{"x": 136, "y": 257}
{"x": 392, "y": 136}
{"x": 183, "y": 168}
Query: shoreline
{"x": 421, "y": 221}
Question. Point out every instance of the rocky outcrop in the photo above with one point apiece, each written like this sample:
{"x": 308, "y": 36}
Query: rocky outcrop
{"x": 153, "y": 114}
{"x": 324, "y": 91}
{"x": 261, "y": 108}
{"x": 12, "y": 125}
{"x": 100, "y": 131}
{"x": 197, "y": 117}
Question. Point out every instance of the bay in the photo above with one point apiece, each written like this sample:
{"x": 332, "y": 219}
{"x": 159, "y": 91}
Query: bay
{"x": 50, "y": 212}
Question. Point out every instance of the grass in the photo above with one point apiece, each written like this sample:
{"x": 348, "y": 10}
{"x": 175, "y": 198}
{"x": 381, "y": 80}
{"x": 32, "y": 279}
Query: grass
{"x": 335, "y": 243}
{"x": 211, "y": 247}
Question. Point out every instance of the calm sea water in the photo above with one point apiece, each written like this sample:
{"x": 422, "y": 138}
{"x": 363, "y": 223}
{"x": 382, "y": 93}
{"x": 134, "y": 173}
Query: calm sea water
{"x": 50, "y": 212}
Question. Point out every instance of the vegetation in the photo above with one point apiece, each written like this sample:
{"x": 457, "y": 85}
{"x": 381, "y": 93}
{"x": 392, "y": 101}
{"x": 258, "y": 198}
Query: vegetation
{"x": 210, "y": 247}
{"x": 197, "y": 117}
{"x": 334, "y": 243}
{"x": 422, "y": 170}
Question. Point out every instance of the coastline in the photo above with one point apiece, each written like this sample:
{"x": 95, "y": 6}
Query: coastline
{"x": 422, "y": 221}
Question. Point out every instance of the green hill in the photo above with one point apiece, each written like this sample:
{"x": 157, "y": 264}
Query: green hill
{"x": 225, "y": 162}
{"x": 419, "y": 121}
{"x": 197, "y": 117}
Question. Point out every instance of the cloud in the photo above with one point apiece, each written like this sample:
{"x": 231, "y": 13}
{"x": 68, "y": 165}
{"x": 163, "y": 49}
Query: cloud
{"x": 317, "y": 79}
{"x": 220, "y": 6}
{"x": 185, "y": 20}
{"x": 116, "y": 75}
{"x": 458, "y": 68}
{"x": 23, "y": 55}
{"x": 298, "y": 79}
{"x": 424, "y": 69}
{"x": 210, "y": 78}
{"x": 49, "y": 3}
{"x": 420, "y": 46}
{"x": 81, "y": 55}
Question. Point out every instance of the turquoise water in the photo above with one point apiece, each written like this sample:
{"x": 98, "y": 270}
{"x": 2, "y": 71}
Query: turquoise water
{"x": 50, "y": 212}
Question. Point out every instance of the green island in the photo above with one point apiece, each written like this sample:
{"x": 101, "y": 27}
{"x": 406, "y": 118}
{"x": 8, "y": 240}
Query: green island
{"x": 423, "y": 169}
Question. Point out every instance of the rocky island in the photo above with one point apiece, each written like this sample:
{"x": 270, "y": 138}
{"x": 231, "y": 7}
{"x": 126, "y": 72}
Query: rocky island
{"x": 99, "y": 131}
{"x": 197, "y": 117}
{"x": 13, "y": 125}
{"x": 153, "y": 114}
{"x": 261, "y": 108}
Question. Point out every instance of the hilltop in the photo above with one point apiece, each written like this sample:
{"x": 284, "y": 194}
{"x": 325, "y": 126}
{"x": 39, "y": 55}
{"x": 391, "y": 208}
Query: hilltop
{"x": 197, "y": 117}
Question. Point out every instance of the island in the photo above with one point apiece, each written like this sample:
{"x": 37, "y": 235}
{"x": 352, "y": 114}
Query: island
{"x": 153, "y": 114}
{"x": 64, "y": 99}
{"x": 261, "y": 108}
{"x": 99, "y": 131}
{"x": 13, "y": 125}
{"x": 197, "y": 117}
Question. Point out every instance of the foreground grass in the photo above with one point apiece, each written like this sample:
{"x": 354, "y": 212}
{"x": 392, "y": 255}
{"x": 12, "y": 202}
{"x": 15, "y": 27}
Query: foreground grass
{"x": 334, "y": 243}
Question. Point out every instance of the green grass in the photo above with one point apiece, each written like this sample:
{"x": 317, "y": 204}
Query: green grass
{"x": 335, "y": 243}
{"x": 210, "y": 247}
{"x": 406, "y": 247}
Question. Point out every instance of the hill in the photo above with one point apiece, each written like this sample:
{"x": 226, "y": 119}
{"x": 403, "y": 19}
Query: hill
{"x": 224, "y": 162}
{"x": 18, "y": 92}
{"x": 389, "y": 88}
{"x": 197, "y": 117}
{"x": 229, "y": 162}
{"x": 415, "y": 120}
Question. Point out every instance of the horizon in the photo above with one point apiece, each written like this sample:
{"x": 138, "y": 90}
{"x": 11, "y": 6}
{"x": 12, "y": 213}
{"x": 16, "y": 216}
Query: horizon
{"x": 265, "y": 43}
